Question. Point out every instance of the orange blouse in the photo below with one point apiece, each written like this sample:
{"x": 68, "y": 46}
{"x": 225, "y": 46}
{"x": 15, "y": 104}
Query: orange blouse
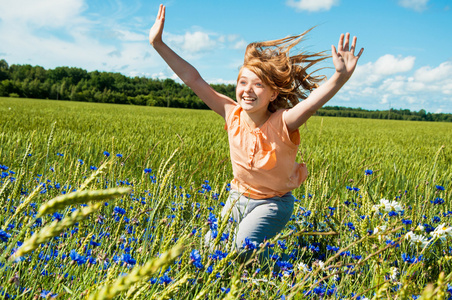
{"x": 263, "y": 159}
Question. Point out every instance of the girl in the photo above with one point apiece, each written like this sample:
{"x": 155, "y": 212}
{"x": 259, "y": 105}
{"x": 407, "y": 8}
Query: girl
{"x": 263, "y": 124}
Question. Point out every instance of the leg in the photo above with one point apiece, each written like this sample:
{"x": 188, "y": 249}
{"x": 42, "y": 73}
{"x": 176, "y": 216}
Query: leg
{"x": 263, "y": 220}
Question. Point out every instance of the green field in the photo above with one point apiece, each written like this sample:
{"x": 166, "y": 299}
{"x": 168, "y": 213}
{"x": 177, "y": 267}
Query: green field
{"x": 51, "y": 148}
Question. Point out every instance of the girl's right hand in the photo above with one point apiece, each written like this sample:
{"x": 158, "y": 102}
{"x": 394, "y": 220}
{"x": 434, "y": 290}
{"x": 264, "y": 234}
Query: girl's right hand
{"x": 155, "y": 34}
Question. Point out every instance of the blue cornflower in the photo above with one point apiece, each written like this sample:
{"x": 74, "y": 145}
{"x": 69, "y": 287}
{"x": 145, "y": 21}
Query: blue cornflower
{"x": 437, "y": 201}
{"x": 368, "y": 172}
{"x": 225, "y": 290}
{"x": 119, "y": 210}
{"x": 212, "y": 221}
{"x": 59, "y": 154}
{"x": 52, "y": 169}
{"x": 249, "y": 245}
{"x": 436, "y": 219}
{"x": 57, "y": 216}
{"x": 93, "y": 168}
{"x": 147, "y": 170}
{"x": 80, "y": 259}
{"x": 128, "y": 259}
{"x": 196, "y": 258}
{"x": 285, "y": 266}
{"x": 165, "y": 279}
{"x": 351, "y": 226}
{"x": 119, "y": 155}
{"x": 332, "y": 248}
{"x": 282, "y": 244}
{"x": 411, "y": 260}
{"x": 439, "y": 187}
{"x": 393, "y": 213}
{"x": 80, "y": 161}
{"x": 95, "y": 244}
{"x": 4, "y": 236}
{"x": 47, "y": 294}
{"x": 106, "y": 153}
{"x": 407, "y": 222}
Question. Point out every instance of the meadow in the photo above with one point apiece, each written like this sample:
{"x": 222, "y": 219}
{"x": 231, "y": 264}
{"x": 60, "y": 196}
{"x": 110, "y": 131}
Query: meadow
{"x": 104, "y": 201}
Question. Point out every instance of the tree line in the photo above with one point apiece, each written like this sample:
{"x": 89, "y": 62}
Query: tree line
{"x": 76, "y": 84}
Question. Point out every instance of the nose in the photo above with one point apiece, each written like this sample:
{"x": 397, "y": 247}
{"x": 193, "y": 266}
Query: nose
{"x": 248, "y": 88}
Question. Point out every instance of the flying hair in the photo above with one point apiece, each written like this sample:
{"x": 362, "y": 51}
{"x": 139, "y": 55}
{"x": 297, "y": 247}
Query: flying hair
{"x": 288, "y": 75}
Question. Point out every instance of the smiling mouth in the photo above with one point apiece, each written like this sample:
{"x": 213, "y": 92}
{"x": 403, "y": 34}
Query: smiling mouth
{"x": 248, "y": 99}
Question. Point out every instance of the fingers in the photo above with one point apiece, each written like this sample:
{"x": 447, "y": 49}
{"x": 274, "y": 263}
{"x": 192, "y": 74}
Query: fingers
{"x": 347, "y": 41}
{"x": 161, "y": 13}
{"x": 333, "y": 52}
{"x": 344, "y": 44}
{"x": 352, "y": 48}
{"x": 341, "y": 42}
{"x": 360, "y": 52}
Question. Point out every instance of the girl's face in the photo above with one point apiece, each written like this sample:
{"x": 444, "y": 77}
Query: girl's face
{"x": 252, "y": 94}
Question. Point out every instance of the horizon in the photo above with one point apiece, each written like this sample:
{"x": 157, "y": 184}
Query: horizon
{"x": 404, "y": 65}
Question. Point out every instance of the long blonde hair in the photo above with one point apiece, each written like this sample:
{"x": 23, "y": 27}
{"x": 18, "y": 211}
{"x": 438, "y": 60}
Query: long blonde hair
{"x": 272, "y": 63}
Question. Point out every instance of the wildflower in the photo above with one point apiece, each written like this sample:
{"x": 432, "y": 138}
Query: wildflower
{"x": 212, "y": 221}
{"x": 128, "y": 259}
{"x": 285, "y": 266}
{"x": 47, "y": 294}
{"x": 80, "y": 259}
{"x": 411, "y": 260}
{"x": 196, "y": 259}
{"x": 282, "y": 244}
{"x": 388, "y": 206}
{"x": 80, "y": 161}
{"x": 147, "y": 170}
{"x": 249, "y": 245}
{"x": 4, "y": 236}
{"x": 304, "y": 268}
{"x": 368, "y": 172}
{"x": 378, "y": 230}
{"x": 436, "y": 219}
{"x": 225, "y": 290}
{"x": 407, "y": 222}
{"x": 437, "y": 201}
{"x": 119, "y": 155}
{"x": 332, "y": 248}
{"x": 165, "y": 279}
{"x": 394, "y": 273}
{"x": 441, "y": 231}
{"x": 93, "y": 168}
{"x": 106, "y": 153}
{"x": 416, "y": 239}
{"x": 439, "y": 188}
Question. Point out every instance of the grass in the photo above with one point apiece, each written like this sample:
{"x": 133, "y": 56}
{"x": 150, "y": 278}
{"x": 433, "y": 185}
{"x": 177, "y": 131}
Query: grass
{"x": 147, "y": 241}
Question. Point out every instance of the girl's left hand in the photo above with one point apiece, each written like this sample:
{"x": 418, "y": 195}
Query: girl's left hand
{"x": 344, "y": 59}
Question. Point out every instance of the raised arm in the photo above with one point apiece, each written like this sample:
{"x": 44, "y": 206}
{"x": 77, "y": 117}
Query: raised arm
{"x": 186, "y": 72}
{"x": 345, "y": 62}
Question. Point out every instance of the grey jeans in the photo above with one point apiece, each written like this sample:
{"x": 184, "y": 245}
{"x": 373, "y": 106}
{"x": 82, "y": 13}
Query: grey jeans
{"x": 257, "y": 220}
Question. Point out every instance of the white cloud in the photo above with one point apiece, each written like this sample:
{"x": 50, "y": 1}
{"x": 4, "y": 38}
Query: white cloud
{"x": 240, "y": 45}
{"x": 198, "y": 42}
{"x": 312, "y": 5}
{"x": 417, "y": 5}
{"x": 48, "y": 13}
{"x": 389, "y": 64}
{"x": 193, "y": 43}
{"x": 428, "y": 74}
{"x": 392, "y": 80}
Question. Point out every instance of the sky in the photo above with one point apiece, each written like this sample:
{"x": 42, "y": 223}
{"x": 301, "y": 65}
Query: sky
{"x": 406, "y": 64}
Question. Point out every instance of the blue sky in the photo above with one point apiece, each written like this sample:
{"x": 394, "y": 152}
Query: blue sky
{"x": 407, "y": 61}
